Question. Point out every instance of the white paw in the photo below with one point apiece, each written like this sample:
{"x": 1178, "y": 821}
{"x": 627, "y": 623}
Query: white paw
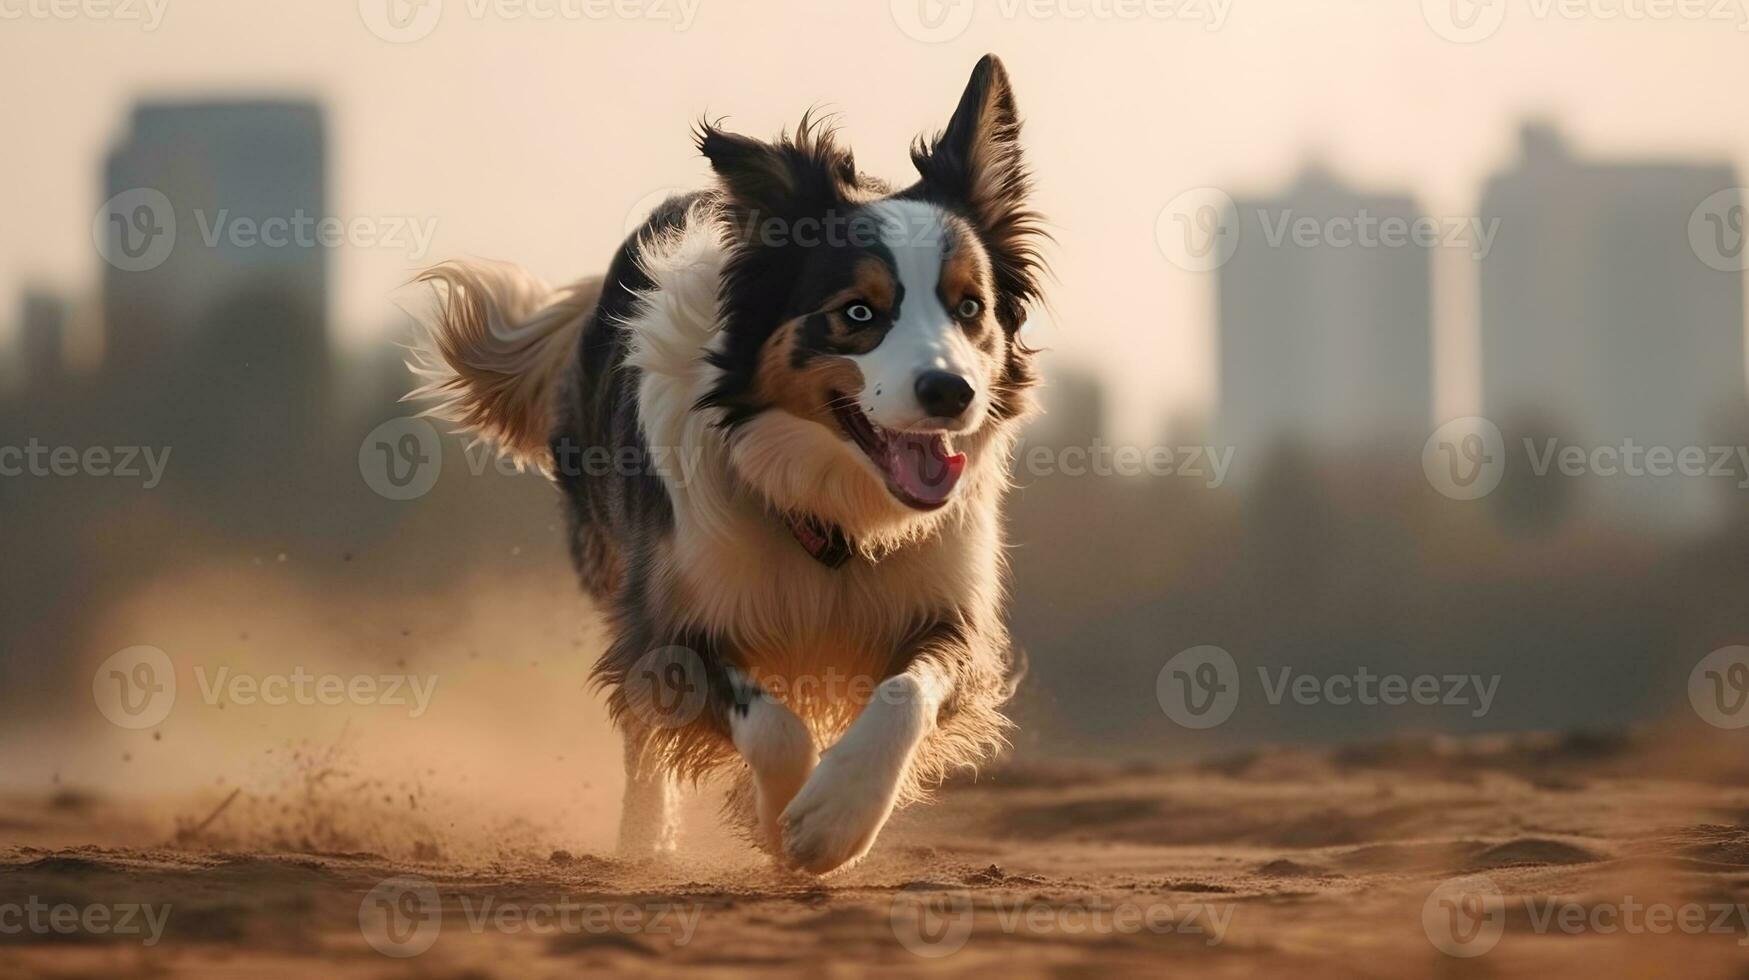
{"x": 780, "y": 753}
{"x": 834, "y": 820}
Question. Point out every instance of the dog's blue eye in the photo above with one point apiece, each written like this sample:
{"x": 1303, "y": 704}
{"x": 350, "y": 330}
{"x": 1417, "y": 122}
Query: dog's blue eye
{"x": 969, "y": 308}
{"x": 859, "y": 312}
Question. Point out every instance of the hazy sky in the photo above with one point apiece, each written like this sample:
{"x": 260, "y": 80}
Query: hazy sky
{"x": 530, "y": 138}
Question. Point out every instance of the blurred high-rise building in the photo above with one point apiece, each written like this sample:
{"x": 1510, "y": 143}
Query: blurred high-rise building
{"x": 215, "y": 289}
{"x": 1600, "y": 323}
{"x": 42, "y": 340}
{"x": 207, "y": 180}
{"x": 1325, "y": 337}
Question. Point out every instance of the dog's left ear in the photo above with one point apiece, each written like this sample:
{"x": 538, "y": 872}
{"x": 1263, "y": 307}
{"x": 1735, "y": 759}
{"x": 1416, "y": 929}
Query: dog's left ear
{"x": 975, "y": 166}
{"x": 804, "y": 174}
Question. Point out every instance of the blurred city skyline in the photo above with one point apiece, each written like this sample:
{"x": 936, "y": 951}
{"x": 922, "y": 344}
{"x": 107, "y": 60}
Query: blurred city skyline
{"x": 1599, "y": 306}
{"x": 1589, "y": 272}
{"x": 491, "y": 127}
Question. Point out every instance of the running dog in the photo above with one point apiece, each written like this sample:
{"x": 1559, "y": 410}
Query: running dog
{"x": 782, "y": 424}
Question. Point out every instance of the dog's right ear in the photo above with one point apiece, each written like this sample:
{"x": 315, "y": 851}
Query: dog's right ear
{"x": 804, "y": 174}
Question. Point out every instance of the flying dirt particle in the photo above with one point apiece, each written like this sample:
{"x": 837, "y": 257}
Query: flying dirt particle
{"x": 346, "y": 556}
{"x": 157, "y": 736}
{"x": 280, "y": 558}
{"x": 406, "y": 631}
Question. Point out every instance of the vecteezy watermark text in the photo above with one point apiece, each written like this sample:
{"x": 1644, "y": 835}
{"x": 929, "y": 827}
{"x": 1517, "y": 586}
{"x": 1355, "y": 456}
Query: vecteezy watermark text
{"x": 405, "y": 21}
{"x": 936, "y": 21}
{"x": 1471, "y": 21}
{"x": 301, "y": 229}
{"x": 302, "y": 687}
{"x": 1210, "y": 464}
{"x": 33, "y": 916}
{"x": 935, "y": 924}
{"x": 137, "y": 688}
{"x": 1201, "y": 229}
{"x": 403, "y": 917}
{"x": 1467, "y": 458}
{"x": 36, "y": 459}
{"x": 401, "y": 459}
{"x": 1201, "y": 687}
{"x": 147, "y": 13}
{"x": 1466, "y": 917}
{"x": 137, "y": 230}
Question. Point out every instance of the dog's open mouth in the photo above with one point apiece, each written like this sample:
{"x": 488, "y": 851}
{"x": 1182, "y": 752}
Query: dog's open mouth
{"x": 921, "y": 467}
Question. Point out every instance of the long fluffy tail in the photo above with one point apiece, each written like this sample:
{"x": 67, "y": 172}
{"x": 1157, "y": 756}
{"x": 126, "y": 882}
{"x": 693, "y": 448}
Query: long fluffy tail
{"x": 492, "y": 352}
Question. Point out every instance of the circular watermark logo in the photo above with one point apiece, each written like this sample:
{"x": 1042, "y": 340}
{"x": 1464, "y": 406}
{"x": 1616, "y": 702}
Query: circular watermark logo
{"x": 1464, "y": 917}
{"x": 1718, "y": 230}
{"x": 1465, "y": 458}
{"x": 401, "y": 916}
{"x": 1199, "y": 687}
{"x": 932, "y": 21}
{"x": 401, "y": 459}
{"x": 1464, "y": 21}
{"x": 1199, "y": 229}
{"x": 400, "y": 21}
{"x": 641, "y": 208}
{"x": 1719, "y": 688}
{"x": 135, "y": 688}
{"x": 667, "y": 687}
{"x": 135, "y": 230}
{"x": 931, "y": 924}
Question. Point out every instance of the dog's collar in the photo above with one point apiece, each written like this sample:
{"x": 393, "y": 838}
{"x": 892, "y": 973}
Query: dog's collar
{"x": 826, "y": 543}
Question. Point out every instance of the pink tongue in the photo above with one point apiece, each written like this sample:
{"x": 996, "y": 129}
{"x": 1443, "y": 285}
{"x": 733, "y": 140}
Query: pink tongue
{"x": 921, "y": 467}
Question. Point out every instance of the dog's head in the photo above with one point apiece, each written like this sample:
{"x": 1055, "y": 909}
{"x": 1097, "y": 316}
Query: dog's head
{"x": 869, "y": 355}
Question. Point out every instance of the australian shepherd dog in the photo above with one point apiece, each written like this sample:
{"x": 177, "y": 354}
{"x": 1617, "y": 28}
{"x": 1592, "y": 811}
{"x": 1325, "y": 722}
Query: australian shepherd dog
{"x": 782, "y": 423}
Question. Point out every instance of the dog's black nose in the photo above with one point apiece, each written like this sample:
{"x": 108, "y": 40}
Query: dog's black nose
{"x": 943, "y": 394}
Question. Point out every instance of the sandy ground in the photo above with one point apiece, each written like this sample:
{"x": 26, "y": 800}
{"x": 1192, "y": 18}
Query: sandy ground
{"x": 1534, "y": 855}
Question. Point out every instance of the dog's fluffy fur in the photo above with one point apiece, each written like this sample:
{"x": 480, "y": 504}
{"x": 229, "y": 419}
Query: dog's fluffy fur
{"x": 755, "y": 380}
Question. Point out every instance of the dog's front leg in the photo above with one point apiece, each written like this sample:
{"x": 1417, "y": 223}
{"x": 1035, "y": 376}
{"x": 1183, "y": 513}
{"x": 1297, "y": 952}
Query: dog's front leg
{"x": 834, "y": 820}
{"x": 778, "y": 750}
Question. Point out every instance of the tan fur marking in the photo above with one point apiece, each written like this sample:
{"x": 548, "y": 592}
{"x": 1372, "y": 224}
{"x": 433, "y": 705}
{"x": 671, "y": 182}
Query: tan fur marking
{"x": 874, "y": 282}
{"x": 804, "y": 393}
{"x": 965, "y": 272}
